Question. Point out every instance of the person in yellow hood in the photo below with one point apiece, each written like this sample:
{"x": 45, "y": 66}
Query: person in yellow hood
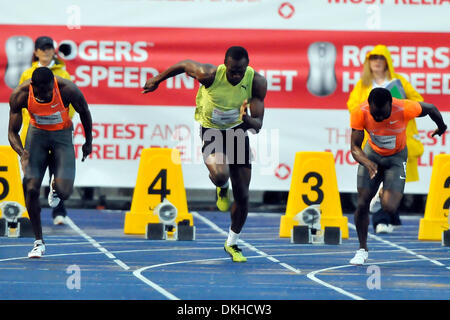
{"x": 378, "y": 71}
{"x": 45, "y": 56}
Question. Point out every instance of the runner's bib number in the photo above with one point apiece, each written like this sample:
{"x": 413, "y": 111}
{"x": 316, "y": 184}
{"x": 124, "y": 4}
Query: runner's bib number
{"x": 385, "y": 142}
{"x": 50, "y": 119}
{"x": 225, "y": 117}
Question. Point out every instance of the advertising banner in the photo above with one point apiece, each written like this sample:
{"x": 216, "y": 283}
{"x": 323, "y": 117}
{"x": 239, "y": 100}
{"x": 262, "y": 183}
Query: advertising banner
{"x": 310, "y": 52}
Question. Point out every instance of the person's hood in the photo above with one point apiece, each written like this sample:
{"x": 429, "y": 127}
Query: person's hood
{"x": 59, "y": 64}
{"x": 383, "y": 51}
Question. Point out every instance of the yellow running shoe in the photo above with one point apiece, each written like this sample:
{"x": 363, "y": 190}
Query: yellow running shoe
{"x": 223, "y": 199}
{"x": 234, "y": 252}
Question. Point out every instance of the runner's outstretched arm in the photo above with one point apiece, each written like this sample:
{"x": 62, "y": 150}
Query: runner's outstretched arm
{"x": 204, "y": 73}
{"x": 430, "y": 110}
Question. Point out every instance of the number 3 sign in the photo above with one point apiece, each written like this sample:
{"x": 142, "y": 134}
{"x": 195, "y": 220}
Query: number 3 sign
{"x": 314, "y": 182}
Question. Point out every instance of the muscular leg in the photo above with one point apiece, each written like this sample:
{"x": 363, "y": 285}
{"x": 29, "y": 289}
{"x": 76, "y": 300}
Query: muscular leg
{"x": 362, "y": 215}
{"x": 219, "y": 172}
{"x": 33, "y": 206}
{"x": 60, "y": 209}
{"x": 64, "y": 188}
{"x": 390, "y": 201}
{"x": 240, "y": 180}
{"x": 63, "y": 163}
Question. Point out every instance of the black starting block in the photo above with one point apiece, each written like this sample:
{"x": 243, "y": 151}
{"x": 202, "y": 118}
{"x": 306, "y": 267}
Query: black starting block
{"x": 22, "y": 228}
{"x": 332, "y": 235}
{"x": 155, "y": 231}
{"x": 301, "y": 235}
{"x": 185, "y": 232}
{"x": 159, "y": 231}
{"x": 3, "y": 227}
{"x": 306, "y": 235}
{"x": 446, "y": 238}
{"x": 12, "y": 224}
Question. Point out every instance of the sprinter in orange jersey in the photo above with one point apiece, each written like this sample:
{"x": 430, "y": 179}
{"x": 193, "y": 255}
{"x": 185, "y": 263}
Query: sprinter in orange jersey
{"x": 47, "y": 99}
{"x": 384, "y": 157}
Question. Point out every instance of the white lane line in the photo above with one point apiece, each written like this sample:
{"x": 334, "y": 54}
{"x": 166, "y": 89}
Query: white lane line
{"x": 312, "y": 276}
{"x": 138, "y": 273}
{"x": 404, "y": 249}
{"x": 248, "y": 245}
{"x": 96, "y": 244}
{"x": 127, "y": 241}
{"x": 161, "y": 290}
{"x": 119, "y": 262}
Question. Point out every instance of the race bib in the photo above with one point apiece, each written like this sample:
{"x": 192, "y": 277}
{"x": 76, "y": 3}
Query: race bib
{"x": 385, "y": 142}
{"x": 225, "y": 117}
{"x": 54, "y": 118}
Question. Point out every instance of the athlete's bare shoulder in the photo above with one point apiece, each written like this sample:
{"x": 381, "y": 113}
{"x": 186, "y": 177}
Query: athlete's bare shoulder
{"x": 203, "y": 72}
{"x": 19, "y": 97}
{"x": 64, "y": 84}
{"x": 259, "y": 85}
{"x": 71, "y": 94}
{"x": 68, "y": 89}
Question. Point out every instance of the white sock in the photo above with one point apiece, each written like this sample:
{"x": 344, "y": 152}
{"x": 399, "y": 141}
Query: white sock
{"x": 226, "y": 185}
{"x": 232, "y": 238}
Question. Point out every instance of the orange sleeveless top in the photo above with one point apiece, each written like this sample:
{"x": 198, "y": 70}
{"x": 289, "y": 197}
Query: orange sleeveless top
{"x": 388, "y": 136}
{"x": 51, "y": 115}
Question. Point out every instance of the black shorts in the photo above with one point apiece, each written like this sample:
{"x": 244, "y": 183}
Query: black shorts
{"x": 391, "y": 171}
{"x": 40, "y": 142}
{"x": 233, "y": 142}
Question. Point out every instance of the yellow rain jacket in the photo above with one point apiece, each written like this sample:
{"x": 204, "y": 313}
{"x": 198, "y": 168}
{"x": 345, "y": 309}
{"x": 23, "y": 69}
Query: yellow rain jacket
{"x": 360, "y": 93}
{"x": 58, "y": 69}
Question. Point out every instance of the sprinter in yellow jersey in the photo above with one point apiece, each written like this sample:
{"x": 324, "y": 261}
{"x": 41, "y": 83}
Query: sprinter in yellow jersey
{"x": 223, "y": 99}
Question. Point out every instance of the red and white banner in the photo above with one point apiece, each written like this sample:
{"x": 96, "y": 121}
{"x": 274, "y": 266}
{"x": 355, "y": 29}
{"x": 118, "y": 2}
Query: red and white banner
{"x": 310, "y": 68}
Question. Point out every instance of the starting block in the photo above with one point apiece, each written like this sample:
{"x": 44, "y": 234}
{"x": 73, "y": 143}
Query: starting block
{"x": 307, "y": 235}
{"x": 332, "y": 235}
{"x": 13, "y": 225}
{"x": 446, "y": 238}
{"x": 167, "y": 228}
{"x": 160, "y": 231}
{"x": 309, "y": 231}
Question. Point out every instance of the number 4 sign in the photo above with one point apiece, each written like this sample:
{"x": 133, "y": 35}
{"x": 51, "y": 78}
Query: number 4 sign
{"x": 314, "y": 182}
{"x": 159, "y": 176}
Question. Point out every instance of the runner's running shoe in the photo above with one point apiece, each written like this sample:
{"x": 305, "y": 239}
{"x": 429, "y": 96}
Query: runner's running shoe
{"x": 235, "y": 253}
{"x": 38, "y": 250}
{"x": 223, "y": 199}
{"x": 53, "y": 199}
{"x": 360, "y": 257}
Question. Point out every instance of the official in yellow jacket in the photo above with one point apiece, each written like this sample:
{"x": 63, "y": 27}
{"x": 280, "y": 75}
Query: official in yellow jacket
{"x": 378, "y": 71}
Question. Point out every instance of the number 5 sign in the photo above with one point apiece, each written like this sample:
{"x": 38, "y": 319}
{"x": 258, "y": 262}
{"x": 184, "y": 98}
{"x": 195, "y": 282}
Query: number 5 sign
{"x": 10, "y": 180}
{"x": 314, "y": 182}
{"x": 159, "y": 176}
